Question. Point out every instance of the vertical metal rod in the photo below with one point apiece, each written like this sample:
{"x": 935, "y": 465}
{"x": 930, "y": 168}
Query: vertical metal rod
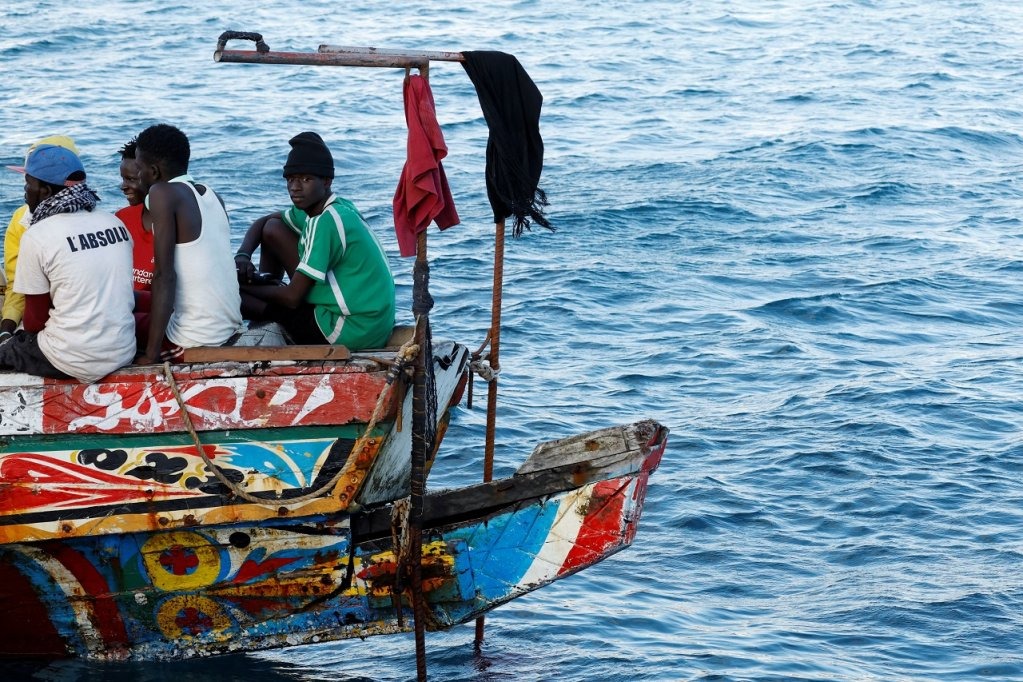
{"x": 495, "y": 363}
{"x": 417, "y": 485}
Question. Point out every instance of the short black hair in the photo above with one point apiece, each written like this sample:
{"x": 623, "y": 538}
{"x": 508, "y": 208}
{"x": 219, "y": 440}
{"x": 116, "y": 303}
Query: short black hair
{"x": 164, "y": 142}
{"x": 76, "y": 177}
{"x": 54, "y": 189}
{"x": 127, "y": 151}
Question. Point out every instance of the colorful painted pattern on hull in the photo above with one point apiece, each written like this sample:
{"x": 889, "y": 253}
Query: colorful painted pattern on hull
{"x": 139, "y": 401}
{"x": 200, "y": 592}
{"x": 311, "y": 453}
{"x": 97, "y": 489}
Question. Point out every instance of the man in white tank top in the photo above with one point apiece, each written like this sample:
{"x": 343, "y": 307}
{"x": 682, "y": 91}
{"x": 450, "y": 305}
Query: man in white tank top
{"x": 195, "y": 296}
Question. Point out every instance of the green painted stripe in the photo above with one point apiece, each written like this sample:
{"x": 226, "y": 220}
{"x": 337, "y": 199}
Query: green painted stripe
{"x": 49, "y": 442}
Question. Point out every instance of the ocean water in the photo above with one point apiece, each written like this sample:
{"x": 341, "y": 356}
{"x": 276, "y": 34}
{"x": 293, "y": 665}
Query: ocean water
{"x": 788, "y": 229}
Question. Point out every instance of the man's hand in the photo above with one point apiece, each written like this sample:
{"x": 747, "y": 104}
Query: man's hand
{"x": 246, "y": 270}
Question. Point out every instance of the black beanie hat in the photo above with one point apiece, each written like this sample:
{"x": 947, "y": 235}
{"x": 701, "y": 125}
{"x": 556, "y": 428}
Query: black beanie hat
{"x": 309, "y": 155}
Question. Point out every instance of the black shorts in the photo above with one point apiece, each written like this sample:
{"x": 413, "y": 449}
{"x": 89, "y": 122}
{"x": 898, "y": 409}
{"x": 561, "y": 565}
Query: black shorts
{"x": 22, "y": 353}
{"x": 300, "y": 322}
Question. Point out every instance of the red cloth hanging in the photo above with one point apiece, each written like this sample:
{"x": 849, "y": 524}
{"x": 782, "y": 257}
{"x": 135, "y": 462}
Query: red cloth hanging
{"x": 423, "y": 194}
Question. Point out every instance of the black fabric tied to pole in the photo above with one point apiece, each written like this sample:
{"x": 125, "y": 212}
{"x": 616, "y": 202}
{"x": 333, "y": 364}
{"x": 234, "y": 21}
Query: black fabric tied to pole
{"x": 511, "y": 106}
{"x": 425, "y": 413}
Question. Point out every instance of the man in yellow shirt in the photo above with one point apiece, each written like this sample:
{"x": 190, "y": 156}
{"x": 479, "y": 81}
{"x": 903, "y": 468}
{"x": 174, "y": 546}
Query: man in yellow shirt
{"x": 13, "y": 303}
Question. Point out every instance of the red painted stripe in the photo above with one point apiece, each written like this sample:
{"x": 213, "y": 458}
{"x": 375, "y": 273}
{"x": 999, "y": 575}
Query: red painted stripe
{"x": 602, "y": 526}
{"x": 658, "y": 443}
{"x": 33, "y": 482}
{"x": 106, "y": 617}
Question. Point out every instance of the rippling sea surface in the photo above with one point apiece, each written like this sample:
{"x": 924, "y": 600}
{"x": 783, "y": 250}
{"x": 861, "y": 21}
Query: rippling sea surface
{"x": 788, "y": 229}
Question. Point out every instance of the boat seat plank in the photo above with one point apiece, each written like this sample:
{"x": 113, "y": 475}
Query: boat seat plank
{"x": 261, "y": 353}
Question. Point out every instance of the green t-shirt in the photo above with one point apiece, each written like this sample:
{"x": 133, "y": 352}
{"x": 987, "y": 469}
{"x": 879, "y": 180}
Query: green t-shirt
{"x": 353, "y": 288}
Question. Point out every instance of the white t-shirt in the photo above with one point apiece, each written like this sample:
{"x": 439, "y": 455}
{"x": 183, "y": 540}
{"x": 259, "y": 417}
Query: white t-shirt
{"x": 83, "y": 261}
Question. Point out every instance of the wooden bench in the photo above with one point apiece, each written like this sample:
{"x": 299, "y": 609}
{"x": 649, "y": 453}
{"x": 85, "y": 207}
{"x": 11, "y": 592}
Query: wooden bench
{"x": 399, "y": 336}
{"x": 259, "y": 353}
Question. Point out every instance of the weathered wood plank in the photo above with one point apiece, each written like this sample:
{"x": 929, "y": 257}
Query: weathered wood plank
{"x": 263, "y": 353}
{"x": 375, "y": 51}
{"x": 568, "y": 473}
{"x": 451, "y": 506}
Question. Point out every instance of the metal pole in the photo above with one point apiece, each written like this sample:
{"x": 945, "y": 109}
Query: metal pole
{"x": 418, "y": 476}
{"x": 495, "y": 364}
{"x": 422, "y": 302}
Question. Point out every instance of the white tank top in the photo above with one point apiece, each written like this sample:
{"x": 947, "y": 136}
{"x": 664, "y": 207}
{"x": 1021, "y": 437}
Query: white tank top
{"x": 207, "y": 302}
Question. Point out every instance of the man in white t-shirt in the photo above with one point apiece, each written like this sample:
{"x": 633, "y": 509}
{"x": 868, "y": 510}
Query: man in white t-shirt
{"x": 75, "y": 270}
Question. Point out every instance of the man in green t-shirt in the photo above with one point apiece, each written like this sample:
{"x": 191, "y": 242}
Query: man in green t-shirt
{"x": 340, "y": 288}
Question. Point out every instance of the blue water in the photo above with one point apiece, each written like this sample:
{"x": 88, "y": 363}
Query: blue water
{"x": 788, "y": 229}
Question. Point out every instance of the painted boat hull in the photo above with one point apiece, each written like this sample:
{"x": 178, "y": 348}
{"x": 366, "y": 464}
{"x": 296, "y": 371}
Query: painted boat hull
{"x": 116, "y": 457}
{"x": 213, "y": 589}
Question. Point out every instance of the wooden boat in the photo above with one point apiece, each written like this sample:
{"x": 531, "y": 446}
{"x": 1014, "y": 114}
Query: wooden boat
{"x": 260, "y": 496}
{"x": 214, "y": 588}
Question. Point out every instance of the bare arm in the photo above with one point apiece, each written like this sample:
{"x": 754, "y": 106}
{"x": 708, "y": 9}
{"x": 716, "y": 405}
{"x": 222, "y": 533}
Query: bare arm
{"x": 253, "y": 240}
{"x": 254, "y": 236}
{"x": 161, "y": 207}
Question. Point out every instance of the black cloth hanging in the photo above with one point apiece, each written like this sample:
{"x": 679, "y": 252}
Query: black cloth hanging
{"x": 511, "y": 106}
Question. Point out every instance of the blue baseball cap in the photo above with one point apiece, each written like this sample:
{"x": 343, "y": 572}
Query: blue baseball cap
{"x": 53, "y": 164}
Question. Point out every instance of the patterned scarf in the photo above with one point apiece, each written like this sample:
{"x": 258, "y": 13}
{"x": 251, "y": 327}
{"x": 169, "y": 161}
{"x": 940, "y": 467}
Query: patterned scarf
{"x": 68, "y": 200}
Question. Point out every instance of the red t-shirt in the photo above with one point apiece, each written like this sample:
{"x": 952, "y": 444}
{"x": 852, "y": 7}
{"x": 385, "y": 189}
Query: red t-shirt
{"x": 142, "y": 249}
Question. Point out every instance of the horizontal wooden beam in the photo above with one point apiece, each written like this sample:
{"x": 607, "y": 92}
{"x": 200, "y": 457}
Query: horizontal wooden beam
{"x": 262, "y": 353}
{"x": 421, "y": 55}
{"x": 396, "y": 60}
{"x": 451, "y": 506}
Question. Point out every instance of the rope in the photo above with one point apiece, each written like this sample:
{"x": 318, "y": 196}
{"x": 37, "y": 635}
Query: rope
{"x": 479, "y": 363}
{"x": 483, "y": 368}
{"x": 404, "y": 356}
{"x": 399, "y": 529}
{"x": 402, "y": 549}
